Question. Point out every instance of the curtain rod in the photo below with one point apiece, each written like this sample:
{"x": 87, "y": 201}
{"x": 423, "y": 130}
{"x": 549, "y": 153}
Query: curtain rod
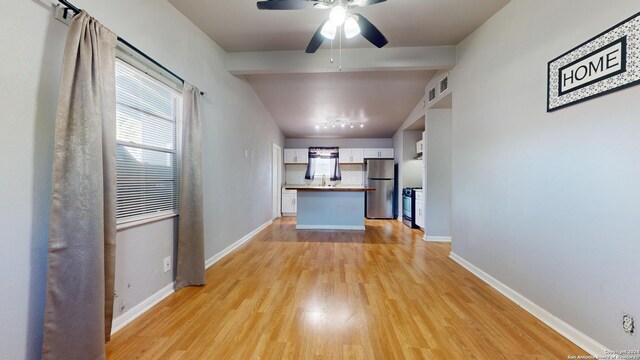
{"x": 128, "y": 44}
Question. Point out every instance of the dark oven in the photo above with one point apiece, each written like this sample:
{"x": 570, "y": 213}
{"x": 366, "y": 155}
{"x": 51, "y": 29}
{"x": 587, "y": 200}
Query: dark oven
{"x": 408, "y": 207}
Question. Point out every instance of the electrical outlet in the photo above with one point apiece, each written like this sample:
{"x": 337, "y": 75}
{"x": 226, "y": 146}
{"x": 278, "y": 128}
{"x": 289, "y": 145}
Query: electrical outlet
{"x": 167, "y": 264}
{"x": 627, "y": 324}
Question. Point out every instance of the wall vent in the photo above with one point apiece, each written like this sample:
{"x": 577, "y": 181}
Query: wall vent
{"x": 444, "y": 84}
{"x": 432, "y": 94}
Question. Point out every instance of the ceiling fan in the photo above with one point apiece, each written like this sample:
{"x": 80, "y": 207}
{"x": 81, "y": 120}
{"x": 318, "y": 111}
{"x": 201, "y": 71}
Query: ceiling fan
{"x": 340, "y": 15}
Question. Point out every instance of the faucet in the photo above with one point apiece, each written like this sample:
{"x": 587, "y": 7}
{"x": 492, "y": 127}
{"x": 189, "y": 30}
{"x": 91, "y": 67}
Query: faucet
{"x": 324, "y": 183}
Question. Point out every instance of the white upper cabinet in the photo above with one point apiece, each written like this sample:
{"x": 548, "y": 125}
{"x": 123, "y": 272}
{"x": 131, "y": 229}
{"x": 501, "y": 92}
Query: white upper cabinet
{"x": 302, "y": 156}
{"x": 289, "y": 156}
{"x": 378, "y": 153}
{"x": 344, "y": 156}
{"x": 351, "y": 156}
{"x": 357, "y": 156}
{"x": 371, "y": 153}
{"x": 386, "y": 153}
{"x": 347, "y": 155}
{"x": 296, "y": 156}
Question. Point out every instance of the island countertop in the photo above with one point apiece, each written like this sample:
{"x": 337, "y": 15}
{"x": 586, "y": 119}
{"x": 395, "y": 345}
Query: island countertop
{"x": 328, "y": 188}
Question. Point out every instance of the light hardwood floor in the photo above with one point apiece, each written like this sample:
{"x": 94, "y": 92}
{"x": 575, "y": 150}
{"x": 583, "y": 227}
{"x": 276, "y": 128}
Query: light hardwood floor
{"x": 379, "y": 294}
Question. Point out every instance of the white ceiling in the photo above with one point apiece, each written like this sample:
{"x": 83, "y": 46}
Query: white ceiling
{"x": 381, "y": 100}
{"x": 238, "y": 26}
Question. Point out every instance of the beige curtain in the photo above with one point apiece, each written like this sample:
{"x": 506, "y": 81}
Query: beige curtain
{"x": 82, "y": 231}
{"x": 190, "y": 268}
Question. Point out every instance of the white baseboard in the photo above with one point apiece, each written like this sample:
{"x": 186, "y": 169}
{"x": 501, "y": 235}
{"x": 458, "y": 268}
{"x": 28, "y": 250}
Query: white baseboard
{"x": 329, "y": 227}
{"x": 124, "y": 319}
{"x": 133, "y": 313}
{"x": 574, "y": 335}
{"x": 437, "y": 238}
{"x": 215, "y": 258}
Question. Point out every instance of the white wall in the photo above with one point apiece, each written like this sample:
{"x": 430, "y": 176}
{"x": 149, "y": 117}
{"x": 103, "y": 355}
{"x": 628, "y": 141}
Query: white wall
{"x": 547, "y": 203}
{"x": 438, "y": 172}
{"x": 411, "y": 168}
{"x": 237, "y": 198}
{"x": 293, "y": 143}
{"x": 398, "y": 145}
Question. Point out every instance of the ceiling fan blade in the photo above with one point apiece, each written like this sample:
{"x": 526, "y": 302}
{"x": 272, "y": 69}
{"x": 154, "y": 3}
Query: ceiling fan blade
{"x": 366, "y": 2}
{"x": 287, "y": 4}
{"x": 316, "y": 40}
{"x": 370, "y": 32}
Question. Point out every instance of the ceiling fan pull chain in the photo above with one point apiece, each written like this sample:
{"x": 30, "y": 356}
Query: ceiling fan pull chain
{"x": 331, "y": 51}
{"x": 341, "y": 48}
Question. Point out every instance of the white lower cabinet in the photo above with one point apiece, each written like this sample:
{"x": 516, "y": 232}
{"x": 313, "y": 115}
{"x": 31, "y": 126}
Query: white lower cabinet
{"x": 420, "y": 209}
{"x": 289, "y": 202}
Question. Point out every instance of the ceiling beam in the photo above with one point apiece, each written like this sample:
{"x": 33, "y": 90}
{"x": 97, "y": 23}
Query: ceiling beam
{"x": 371, "y": 59}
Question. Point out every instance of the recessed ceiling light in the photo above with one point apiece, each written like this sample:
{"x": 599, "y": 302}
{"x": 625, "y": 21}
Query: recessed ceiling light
{"x": 352, "y": 126}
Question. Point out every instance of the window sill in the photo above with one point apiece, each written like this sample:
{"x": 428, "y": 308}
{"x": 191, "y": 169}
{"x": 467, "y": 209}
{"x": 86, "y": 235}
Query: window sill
{"x": 144, "y": 221}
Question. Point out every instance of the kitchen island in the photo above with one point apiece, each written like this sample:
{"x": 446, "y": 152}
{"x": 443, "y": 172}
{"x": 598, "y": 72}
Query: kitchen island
{"x": 330, "y": 208}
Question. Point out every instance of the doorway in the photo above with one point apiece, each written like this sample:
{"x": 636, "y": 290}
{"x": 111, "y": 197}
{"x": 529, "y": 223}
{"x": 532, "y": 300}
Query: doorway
{"x": 276, "y": 180}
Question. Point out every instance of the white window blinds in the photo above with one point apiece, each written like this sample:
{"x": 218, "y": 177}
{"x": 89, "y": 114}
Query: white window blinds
{"x": 147, "y": 115}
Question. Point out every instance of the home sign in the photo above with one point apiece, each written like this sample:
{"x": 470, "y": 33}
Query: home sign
{"x": 606, "y": 63}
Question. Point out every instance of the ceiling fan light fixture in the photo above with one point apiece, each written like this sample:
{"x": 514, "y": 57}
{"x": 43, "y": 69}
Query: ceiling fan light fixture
{"x": 328, "y": 30}
{"x": 361, "y": 125}
{"x": 338, "y": 15}
{"x": 351, "y": 27}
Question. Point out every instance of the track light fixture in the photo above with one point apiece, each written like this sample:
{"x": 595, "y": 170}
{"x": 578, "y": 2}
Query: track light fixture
{"x": 339, "y": 123}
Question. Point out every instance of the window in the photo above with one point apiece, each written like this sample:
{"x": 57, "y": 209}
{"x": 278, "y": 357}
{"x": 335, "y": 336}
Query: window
{"x": 323, "y": 168}
{"x": 147, "y": 118}
{"x": 323, "y": 162}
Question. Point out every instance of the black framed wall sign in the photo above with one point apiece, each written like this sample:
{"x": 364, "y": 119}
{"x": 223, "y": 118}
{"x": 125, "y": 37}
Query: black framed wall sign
{"x": 603, "y": 64}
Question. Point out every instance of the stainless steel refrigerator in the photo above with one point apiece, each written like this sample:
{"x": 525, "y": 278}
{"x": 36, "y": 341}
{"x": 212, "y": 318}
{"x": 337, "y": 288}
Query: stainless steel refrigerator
{"x": 379, "y": 175}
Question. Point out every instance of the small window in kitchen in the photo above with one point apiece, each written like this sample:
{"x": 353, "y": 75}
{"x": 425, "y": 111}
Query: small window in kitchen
{"x": 147, "y": 119}
{"x": 323, "y": 162}
{"x": 323, "y": 168}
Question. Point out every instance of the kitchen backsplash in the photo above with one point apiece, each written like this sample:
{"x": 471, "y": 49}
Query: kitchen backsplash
{"x": 351, "y": 175}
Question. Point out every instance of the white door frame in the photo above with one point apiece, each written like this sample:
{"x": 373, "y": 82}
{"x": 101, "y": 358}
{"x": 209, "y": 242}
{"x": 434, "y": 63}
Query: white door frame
{"x": 276, "y": 180}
